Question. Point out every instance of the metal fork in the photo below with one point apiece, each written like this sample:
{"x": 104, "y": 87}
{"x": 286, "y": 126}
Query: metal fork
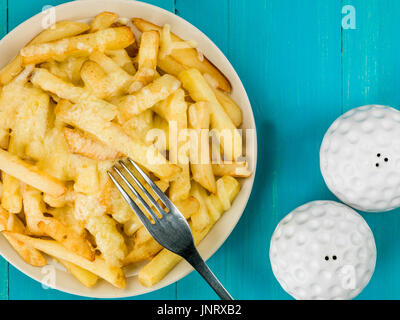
{"x": 171, "y": 230}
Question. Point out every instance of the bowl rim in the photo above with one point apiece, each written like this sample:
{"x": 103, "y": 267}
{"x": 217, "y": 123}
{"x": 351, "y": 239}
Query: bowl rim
{"x": 23, "y": 267}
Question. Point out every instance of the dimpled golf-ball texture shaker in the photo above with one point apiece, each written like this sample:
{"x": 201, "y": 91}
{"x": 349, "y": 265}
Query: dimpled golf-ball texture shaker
{"x": 323, "y": 250}
{"x": 360, "y": 158}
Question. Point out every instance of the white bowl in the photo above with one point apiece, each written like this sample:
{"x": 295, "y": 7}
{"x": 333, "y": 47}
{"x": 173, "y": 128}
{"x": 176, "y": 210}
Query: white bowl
{"x": 84, "y": 10}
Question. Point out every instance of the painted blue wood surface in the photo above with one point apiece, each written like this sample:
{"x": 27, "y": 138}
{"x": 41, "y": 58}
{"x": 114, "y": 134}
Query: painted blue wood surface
{"x": 301, "y": 71}
{"x": 371, "y": 75}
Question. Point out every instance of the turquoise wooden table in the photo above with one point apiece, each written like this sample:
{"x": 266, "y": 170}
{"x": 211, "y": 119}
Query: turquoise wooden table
{"x": 301, "y": 70}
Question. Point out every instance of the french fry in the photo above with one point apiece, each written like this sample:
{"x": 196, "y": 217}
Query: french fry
{"x": 72, "y": 68}
{"x": 30, "y": 255}
{"x": 234, "y": 169}
{"x": 148, "y": 50}
{"x": 200, "y": 219}
{"x": 214, "y": 207}
{"x": 11, "y": 198}
{"x": 95, "y": 79}
{"x": 170, "y": 65}
{"x": 142, "y": 251}
{"x": 57, "y": 161}
{"x": 87, "y": 118}
{"x": 167, "y": 43}
{"x": 14, "y": 96}
{"x": 84, "y": 276}
{"x": 79, "y": 143}
{"x": 107, "y": 39}
{"x": 116, "y": 205}
{"x": 162, "y": 127}
{"x": 200, "y": 164}
{"x": 227, "y": 189}
{"x": 164, "y": 262}
{"x": 132, "y": 226}
{"x": 122, "y": 58}
{"x": 162, "y": 184}
{"x": 138, "y": 126}
{"x": 10, "y": 222}
{"x": 231, "y": 108}
{"x": 55, "y": 202}
{"x": 60, "y": 30}
{"x": 66, "y": 90}
{"x": 109, "y": 240}
{"x": 199, "y": 90}
{"x": 67, "y": 237}
{"x": 189, "y": 57}
{"x": 11, "y": 70}
{"x": 66, "y": 215}
{"x": 34, "y": 208}
{"x": 102, "y": 21}
{"x": 117, "y": 79}
{"x": 4, "y": 138}
{"x": 158, "y": 268}
{"x": 187, "y": 207}
{"x": 86, "y": 176}
{"x": 68, "y": 70}
{"x": 112, "y": 274}
{"x": 31, "y": 123}
{"x": 147, "y": 97}
{"x": 174, "y": 109}
{"x": 147, "y": 60}
{"x": 54, "y": 67}
{"x": 30, "y": 175}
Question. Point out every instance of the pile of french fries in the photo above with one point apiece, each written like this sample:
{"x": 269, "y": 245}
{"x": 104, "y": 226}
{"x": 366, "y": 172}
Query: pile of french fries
{"x": 81, "y": 96}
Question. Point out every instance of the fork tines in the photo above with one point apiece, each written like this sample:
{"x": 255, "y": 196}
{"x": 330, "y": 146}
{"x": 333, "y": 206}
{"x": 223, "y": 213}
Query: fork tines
{"x": 124, "y": 172}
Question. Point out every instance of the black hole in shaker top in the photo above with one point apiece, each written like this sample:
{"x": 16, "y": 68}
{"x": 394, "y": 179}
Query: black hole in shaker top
{"x": 377, "y": 165}
{"x": 378, "y": 155}
{"x": 386, "y": 159}
{"x": 334, "y": 257}
{"x": 326, "y": 258}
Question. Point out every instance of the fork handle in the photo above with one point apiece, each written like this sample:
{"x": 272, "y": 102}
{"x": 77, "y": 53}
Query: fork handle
{"x": 201, "y": 267}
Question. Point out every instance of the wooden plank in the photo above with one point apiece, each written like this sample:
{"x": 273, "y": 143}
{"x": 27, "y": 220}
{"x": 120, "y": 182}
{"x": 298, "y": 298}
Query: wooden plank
{"x": 18, "y": 13}
{"x": 371, "y": 76}
{"x": 165, "y": 4}
{"x": 290, "y": 64}
{"x": 3, "y": 279}
{"x": 3, "y": 18}
{"x": 215, "y": 26}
